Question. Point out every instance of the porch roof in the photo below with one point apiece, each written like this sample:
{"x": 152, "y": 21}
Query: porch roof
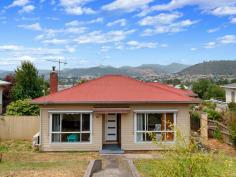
{"x": 111, "y": 110}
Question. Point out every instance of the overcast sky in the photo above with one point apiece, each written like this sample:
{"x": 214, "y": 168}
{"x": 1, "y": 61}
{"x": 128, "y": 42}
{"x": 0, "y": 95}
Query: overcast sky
{"x": 116, "y": 32}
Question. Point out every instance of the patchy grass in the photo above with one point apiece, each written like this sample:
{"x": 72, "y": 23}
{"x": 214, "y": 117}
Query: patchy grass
{"x": 21, "y": 160}
{"x": 197, "y": 164}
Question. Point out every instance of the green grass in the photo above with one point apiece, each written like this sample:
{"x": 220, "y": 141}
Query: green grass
{"x": 197, "y": 164}
{"x": 20, "y": 159}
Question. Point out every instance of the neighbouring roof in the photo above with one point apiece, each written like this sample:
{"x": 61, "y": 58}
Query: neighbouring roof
{"x": 2, "y": 83}
{"x": 230, "y": 85}
{"x": 117, "y": 89}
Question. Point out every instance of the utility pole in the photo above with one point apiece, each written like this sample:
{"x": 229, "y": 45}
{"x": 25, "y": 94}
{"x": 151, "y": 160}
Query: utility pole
{"x": 59, "y": 64}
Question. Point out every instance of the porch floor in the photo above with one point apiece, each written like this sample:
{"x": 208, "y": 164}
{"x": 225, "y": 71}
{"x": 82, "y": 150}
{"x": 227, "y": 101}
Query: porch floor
{"x": 111, "y": 149}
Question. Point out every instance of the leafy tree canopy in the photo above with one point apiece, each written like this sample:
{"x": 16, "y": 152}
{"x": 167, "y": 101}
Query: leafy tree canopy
{"x": 22, "y": 108}
{"x": 28, "y": 84}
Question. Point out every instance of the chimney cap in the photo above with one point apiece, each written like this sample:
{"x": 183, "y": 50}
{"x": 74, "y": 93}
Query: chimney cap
{"x": 54, "y": 68}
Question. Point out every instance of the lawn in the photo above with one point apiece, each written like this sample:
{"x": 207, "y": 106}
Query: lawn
{"x": 21, "y": 160}
{"x": 197, "y": 164}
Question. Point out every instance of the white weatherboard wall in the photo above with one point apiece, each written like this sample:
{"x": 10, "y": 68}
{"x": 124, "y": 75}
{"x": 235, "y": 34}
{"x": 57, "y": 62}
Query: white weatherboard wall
{"x": 228, "y": 92}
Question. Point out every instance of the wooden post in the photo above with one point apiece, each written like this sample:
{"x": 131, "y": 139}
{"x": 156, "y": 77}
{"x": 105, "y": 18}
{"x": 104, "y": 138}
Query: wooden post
{"x": 204, "y": 127}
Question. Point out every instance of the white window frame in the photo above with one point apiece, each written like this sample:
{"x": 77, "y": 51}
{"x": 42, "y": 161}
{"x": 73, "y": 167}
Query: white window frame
{"x": 80, "y": 132}
{"x": 145, "y": 112}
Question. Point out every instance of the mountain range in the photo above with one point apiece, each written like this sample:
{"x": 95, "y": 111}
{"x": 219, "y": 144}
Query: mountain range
{"x": 210, "y": 67}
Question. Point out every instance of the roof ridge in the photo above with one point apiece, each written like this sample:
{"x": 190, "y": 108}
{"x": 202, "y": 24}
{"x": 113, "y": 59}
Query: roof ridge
{"x": 166, "y": 88}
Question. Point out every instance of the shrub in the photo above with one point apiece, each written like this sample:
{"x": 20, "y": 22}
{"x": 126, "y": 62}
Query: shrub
{"x": 232, "y": 107}
{"x": 217, "y": 134}
{"x": 231, "y": 121}
{"x": 212, "y": 114}
{"x": 22, "y": 108}
{"x": 195, "y": 115}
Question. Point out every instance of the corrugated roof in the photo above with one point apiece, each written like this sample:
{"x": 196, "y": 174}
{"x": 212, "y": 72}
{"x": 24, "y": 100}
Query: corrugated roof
{"x": 4, "y": 83}
{"x": 115, "y": 89}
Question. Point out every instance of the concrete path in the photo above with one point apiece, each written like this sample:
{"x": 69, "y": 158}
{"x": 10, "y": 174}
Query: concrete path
{"x": 113, "y": 166}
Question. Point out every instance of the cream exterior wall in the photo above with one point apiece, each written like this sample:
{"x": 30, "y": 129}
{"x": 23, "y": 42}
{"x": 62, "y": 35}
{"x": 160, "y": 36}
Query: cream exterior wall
{"x": 127, "y": 128}
{"x": 228, "y": 96}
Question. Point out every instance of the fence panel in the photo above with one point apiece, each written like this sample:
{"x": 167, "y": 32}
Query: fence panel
{"x": 18, "y": 127}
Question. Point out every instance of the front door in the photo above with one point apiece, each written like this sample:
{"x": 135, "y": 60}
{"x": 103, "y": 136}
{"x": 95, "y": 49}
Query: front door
{"x": 111, "y": 127}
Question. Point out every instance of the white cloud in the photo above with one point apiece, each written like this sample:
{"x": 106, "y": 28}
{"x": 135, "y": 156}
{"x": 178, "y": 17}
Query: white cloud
{"x": 78, "y": 23}
{"x": 226, "y": 10}
{"x": 210, "y": 45}
{"x": 233, "y": 20}
{"x": 18, "y": 3}
{"x": 97, "y": 37}
{"x": 138, "y": 45}
{"x": 120, "y": 22}
{"x": 27, "y": 9}
{"x": 163, "y": 18}
{"x": 76, "y": 7}
{"x": 6, "y": 48}
{"x": 216, "y": 7}
{"x": 213, "y": 30}
{"x": 193, "y": 49}
{"x": 35, "y": 27}
{"x": 70, "y": 49}
{"x": 228, "y": 39}
{"x": 54, "y": 41}
{"x": 165, "y": 23}
{"x": 127, "y": 5}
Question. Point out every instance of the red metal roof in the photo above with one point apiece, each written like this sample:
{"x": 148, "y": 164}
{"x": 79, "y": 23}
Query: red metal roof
{"x": 115, "y": 89}
{"x": 173, "y": 89}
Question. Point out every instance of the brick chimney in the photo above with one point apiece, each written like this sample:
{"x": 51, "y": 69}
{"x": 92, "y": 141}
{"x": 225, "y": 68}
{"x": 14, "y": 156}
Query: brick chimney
{"x": 53, "y": 80}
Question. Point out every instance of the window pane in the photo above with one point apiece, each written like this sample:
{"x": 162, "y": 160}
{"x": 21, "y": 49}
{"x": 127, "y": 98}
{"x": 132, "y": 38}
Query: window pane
{"x": 70, "y": 123}
{"x": 140, "y": 137}
{"x": 70, "y": 137}
{"x": 169, "y": 136}
{"x": 55, "y": 122}
{"x": 153, "y": 136}
{"x": 85, "y": 137}
{"x": 56, "y": 137}
{"x": 155, "y": 122}
{"x": 169, "y": 121}
{"x": 85, "y": 122}
{"x": 140, "y": 122}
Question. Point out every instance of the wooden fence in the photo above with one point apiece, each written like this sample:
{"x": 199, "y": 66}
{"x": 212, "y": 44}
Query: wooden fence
{"x": 224, "y": 130}
{"x": 18, "y": 127}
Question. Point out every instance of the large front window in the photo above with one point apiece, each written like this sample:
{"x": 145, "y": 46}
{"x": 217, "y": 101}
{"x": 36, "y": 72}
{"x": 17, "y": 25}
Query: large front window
{"x": 155, "y": 126}
{"x": 70, "y": 127}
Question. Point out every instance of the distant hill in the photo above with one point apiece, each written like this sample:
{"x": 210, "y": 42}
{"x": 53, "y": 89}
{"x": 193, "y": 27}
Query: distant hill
{"x": 212, "y": 67}
{"x": 146, "y": 69}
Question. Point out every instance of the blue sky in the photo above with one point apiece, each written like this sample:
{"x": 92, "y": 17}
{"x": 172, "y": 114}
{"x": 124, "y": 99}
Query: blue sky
{"x": 116, "y": 32}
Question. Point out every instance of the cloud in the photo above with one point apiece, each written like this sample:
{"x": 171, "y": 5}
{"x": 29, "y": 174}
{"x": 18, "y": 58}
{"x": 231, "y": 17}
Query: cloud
{"x": 55, "y": 41}
{"x": 6, "y": 48}
{"x": 223, "y": 11}
{"x": 78, "y": 23}
{"x": 76, "y": 7}
{"x": 127, "y": 5}
{"x": 27, "y": 9}
{"x": 233, "y": 20}
{"x": 97, "y": 37}
{"x": 34, "y": 26}
{"x": 228, "y": 39}
{"x": 193, "y": 49}
{"x": 210, "y": 45}
{"x": 213, "y": 30}
{"x": 138, "y": 45}
{"x": 217, "y": 7}
{"x": 20, "y": 3}
{"x": 120, "y": 22}
{"x": 165, "y": 23}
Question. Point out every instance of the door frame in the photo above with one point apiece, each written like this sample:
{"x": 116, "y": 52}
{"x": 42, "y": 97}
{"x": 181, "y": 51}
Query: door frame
{"x": 106, "y": 130}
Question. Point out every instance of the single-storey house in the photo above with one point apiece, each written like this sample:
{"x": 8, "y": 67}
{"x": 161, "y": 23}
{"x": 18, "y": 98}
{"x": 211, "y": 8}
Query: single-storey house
{"x": 112, "y": 110}
{"x": 230, "y": 93}
{"x": 2, "y": 85}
